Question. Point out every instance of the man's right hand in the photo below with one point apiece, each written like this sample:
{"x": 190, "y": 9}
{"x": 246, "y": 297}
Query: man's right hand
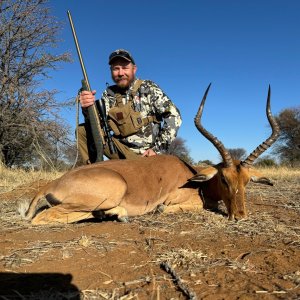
{"x": 87, "y": 98}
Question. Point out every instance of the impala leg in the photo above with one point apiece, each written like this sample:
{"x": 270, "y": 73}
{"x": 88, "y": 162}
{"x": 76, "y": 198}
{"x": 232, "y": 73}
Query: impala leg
{"x": 59, "y": 214}
{"x": 118, "y": 211}
{"x": 192, "y": 204}
{"x": 182, "y": 207}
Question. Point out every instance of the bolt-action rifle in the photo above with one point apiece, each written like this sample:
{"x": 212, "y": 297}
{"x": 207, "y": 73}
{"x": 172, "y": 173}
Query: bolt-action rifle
{"x": 94, "y": 110}
{"x": 104, "y": 124}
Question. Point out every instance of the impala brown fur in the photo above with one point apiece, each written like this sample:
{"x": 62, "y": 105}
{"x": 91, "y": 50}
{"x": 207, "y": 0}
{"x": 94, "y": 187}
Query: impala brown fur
{"x": 117, "y": 187}
{"x": 229, "y": 185}
{"x": 135, "y": 187}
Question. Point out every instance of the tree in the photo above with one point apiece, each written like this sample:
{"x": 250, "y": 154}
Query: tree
{"x": 288, "y": 143}
{"x": 29, "y": 115}
{"x": 266, "y": 161}
{"x": 205, "y": 162}
{"x": 237, "y": 153}
{"x": 178, "y": 148}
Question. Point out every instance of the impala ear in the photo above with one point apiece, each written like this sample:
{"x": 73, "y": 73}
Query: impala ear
{"x": 204, "y": 174}
{"x": 257, "y": 177}
{"x": 262, "y": 180}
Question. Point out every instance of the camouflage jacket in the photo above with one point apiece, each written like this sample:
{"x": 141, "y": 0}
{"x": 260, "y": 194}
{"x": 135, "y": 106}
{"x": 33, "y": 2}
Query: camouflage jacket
{"x": 149, "y": 100}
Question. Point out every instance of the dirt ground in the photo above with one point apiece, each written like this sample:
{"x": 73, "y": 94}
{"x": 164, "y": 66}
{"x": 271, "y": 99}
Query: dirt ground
{"x": 179, "y": 256}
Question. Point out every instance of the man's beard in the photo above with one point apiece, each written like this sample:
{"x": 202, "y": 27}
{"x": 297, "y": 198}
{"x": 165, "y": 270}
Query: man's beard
{"x": 123, "y": 82}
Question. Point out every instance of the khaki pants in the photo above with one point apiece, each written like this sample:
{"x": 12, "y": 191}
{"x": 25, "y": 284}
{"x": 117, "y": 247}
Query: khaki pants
{"x": 87, "y": 147}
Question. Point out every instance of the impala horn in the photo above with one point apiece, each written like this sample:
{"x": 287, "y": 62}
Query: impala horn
{"x": 218, "y": 144}
{"x": 269, "y": 141}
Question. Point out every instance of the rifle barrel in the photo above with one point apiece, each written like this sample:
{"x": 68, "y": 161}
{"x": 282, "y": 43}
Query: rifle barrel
{"x": 79, "y": 52}
{"x": 91, "y": 110}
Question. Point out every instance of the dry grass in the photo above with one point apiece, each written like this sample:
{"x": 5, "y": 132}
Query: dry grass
{"x": 12, "y": 178}
{"x": 196, "y": 260}
{"x": 277, "y": 173}
{"x": 36, "y": 249}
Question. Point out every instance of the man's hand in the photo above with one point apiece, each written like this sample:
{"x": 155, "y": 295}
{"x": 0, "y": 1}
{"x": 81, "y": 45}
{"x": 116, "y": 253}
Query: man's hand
{"x": 87, "y": 98}
{"x": 149, "y": 152}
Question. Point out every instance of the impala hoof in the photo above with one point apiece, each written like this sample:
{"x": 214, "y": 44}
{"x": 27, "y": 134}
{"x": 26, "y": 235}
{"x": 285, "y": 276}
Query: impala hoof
{"x": 160, "y": 208}
{"x": 123, "y": 219}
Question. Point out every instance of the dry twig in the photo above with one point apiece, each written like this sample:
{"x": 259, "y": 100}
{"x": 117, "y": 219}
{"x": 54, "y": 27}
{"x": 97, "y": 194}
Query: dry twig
{"x": 178, "y": 281}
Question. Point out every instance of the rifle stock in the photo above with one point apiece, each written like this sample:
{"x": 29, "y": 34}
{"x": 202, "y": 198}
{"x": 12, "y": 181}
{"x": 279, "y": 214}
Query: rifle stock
{"x": 91, "y": 110}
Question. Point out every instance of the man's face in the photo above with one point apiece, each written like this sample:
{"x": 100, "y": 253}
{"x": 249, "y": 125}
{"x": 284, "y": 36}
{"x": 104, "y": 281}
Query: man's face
{"x": 122, "y": 72}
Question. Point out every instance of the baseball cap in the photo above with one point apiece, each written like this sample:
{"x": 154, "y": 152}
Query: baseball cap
{"x": 122, "y": 53}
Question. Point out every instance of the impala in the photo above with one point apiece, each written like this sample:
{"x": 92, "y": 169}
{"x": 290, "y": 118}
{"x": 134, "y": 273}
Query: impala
{"x": 127, "y": 188}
